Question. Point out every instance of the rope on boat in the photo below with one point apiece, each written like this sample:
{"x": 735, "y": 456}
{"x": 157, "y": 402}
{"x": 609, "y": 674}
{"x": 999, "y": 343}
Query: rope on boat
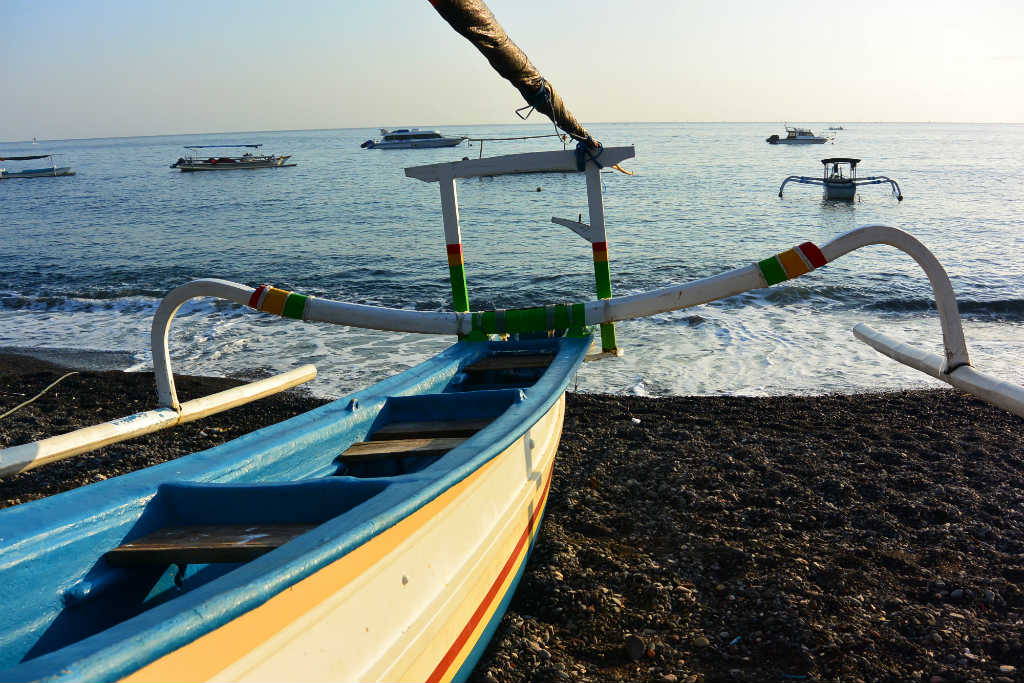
{"x": 36, "y": 397}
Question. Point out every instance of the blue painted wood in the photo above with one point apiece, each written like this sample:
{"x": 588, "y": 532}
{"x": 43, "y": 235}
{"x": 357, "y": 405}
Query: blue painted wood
{"x": 70, "y": 616}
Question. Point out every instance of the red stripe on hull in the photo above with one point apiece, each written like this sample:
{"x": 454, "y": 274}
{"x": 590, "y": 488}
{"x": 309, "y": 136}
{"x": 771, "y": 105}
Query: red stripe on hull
{"x": 467, "y": 631}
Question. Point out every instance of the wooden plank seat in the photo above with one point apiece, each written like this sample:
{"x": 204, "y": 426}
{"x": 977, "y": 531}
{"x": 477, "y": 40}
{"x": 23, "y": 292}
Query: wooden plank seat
{"x": 433, "y": 429}
{"x": 510, "y": 362}
{"x": 204, "y": 544}
{"x": 396, "y": 448}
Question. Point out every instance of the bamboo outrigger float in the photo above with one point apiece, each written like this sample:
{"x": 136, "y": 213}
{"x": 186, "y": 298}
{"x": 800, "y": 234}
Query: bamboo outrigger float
{"x": 378, "y": 537}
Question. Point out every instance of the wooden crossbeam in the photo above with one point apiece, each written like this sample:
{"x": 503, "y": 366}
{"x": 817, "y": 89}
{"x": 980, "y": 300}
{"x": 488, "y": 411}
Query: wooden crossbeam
{"x": 433, "y": 429}
{"x": 510, "y": 362}
{"x": 203, "y": 544}
{"x": 368, "y": 450}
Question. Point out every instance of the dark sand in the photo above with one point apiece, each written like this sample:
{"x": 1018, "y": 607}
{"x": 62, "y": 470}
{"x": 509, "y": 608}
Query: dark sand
{"x": 844, "y": 538}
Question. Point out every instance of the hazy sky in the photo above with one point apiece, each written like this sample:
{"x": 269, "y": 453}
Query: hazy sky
{"x": 107, "y": 68}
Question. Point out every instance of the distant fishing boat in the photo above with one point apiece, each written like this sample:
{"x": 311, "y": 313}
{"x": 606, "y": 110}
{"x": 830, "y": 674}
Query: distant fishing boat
{"x": 839, "y": 180}
{"x": 412, "y": 138}
{"x": 52, "y": 171}
{"x": 194, "y": 160}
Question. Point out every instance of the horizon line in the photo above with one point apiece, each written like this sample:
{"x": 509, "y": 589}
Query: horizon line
{"x": 546, "y": 123}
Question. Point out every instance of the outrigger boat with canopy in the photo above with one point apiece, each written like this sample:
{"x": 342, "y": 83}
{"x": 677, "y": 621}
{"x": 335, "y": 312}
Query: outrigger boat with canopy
{"x": 53, "y": 170}
{"x": 198, "y": 161}
{"x": 378, "y": 537}
{"x": 839, "y": 180}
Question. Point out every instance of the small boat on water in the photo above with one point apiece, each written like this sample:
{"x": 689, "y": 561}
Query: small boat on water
{"x": 412, "y": 138}
{"x": 839, "y": 180}
{"x": 198, "y": 161}
{"x": 797, "y": 136}
{"x": 50, "y": 171}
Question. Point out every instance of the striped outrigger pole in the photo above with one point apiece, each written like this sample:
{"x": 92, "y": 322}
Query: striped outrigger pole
{"x": 279, "y": 302}
{"x": 792, "y": 263}
{"x": 453, "y": 240}
{"x": 599, "y": 242}
{"x": 603, "y": 278}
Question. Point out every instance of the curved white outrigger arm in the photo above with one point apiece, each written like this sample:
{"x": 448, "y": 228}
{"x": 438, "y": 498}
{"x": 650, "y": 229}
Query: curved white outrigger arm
{"x": 954, "y": 367}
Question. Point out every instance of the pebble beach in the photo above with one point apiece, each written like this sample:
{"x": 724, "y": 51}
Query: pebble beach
{"x": 863, "y": 537}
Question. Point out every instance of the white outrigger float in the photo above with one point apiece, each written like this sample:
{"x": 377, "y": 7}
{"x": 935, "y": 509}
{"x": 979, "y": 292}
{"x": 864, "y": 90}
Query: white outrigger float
{"x": 378, "y": 537}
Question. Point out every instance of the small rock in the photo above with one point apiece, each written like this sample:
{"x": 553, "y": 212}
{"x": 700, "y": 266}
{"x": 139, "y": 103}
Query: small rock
{"x": 957, "y": 594}
{"x": 669, "y": 678}
{"x": 1007, "y": 669}
{"x": 701, "y": 641}
{"x": 635, "y": 647}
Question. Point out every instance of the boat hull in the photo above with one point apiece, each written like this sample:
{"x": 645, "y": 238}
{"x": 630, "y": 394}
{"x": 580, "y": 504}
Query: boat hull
{"x": 436, "y": 581}
{"x": 38, "y": 173}
{"x": 839, "y": 191}
{"x": 417, "y": 144}
{"x": 808, "y": 141}
{"x": 203, "y": 165}
{"x": 403, "y": 575}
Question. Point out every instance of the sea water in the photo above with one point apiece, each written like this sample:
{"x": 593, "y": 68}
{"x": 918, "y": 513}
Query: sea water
{"x": 84, "y": 260}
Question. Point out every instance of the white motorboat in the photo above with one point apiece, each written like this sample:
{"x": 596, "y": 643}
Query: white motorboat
{"x": 797, "y": 136}
{"x": 411, "y": 138}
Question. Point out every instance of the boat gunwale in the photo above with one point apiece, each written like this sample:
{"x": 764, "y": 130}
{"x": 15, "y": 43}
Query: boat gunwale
{"x": 126, "y": 646}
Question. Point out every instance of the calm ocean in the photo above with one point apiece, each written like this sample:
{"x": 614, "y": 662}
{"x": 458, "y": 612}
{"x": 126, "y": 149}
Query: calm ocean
{"x": 84, "y": 260}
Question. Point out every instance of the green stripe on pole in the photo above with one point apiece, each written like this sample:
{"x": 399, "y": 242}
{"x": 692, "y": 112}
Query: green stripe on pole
{"x": 603, "y": 275}
{"x": 608, "y": 337}
{"x": 460, "y": 293}
{"x": 578, "y": 328}
{"x": 562, "y": 317}
{"x": 294, "y": 305}
{"x": 772, "y": 271}
{"x": 488, "y": 323}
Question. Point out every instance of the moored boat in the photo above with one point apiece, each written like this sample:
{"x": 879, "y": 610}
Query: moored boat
{"x": 412, "y": 138}
{"x": 797, "y": 136}
{"x": 47, "y": 172}
{"x": 839, "y": 180}
{"x": 198, "y": 161}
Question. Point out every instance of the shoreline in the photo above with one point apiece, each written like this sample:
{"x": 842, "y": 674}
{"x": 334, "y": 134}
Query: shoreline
{"x": 696, "y": 538}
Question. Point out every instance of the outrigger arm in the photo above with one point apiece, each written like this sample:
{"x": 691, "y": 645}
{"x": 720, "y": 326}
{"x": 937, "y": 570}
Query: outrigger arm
{"x": 875, "y": 180}
{"x": 954, "y": 367}
{"x": 800, "y": 179}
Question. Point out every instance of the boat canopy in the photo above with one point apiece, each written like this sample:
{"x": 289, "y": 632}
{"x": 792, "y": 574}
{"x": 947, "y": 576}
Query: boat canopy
{"x": 28, "y": 158}
{"x": 212, "y": 146}
{"x": 841, "y": 160}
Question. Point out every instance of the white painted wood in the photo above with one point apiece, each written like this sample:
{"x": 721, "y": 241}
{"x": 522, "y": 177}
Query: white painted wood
{"x": 945, "y": 300}
{"x": 1000, "y": 393}
{"x": 29, "y": 456}
{"x": 529, "y": 162}
{"x": 595, "y": 202}
{"x": 581, "y": 229}
{"x": 449, "y": 206}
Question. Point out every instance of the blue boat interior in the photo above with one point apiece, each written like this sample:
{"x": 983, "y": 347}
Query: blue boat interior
{"x": 129, "y": 563}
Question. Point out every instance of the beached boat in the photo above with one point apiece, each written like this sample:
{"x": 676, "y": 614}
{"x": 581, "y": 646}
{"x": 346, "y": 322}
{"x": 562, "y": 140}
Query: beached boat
{"x": 839, "y": 180}
{"x": 797, "y": 136}
{"x": 48, "y": 172}
{"x": 195, "y": 160}
{"x": 378, "y": 537}
{"x": 412, "y": 138}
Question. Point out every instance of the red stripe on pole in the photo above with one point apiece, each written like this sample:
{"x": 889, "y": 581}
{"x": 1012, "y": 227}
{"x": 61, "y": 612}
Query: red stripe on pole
{"x": 254, "y": 300}
{"x": 454, "y": 248}
{"x": 813, "y": 254}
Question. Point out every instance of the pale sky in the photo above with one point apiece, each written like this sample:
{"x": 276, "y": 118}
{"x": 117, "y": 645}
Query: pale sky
{"x": 112, "y": 68}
